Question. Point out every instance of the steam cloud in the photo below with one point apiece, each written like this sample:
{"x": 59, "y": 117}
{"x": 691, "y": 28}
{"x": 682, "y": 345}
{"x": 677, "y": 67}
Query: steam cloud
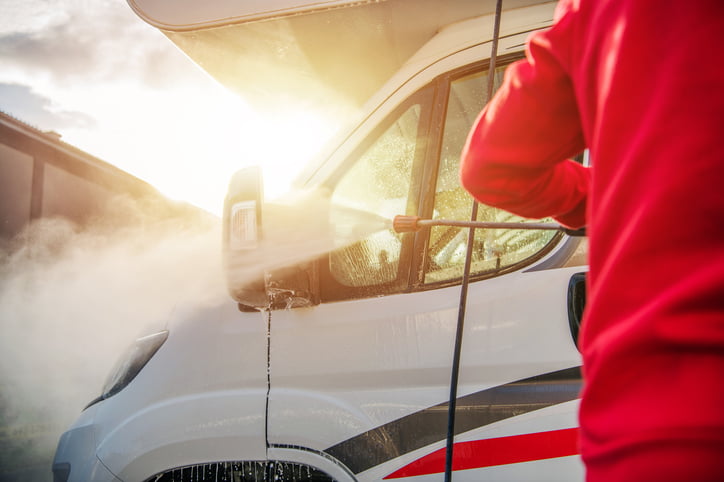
{"x": 301, "y": 226}
{"x": 71, "y": 300}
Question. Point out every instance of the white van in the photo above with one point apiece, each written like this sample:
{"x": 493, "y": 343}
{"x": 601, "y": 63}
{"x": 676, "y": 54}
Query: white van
{"x": 338, "y": 367}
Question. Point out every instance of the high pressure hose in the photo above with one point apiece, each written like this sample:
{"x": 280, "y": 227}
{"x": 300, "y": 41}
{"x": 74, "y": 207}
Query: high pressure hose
{"x": 454, "y": 375}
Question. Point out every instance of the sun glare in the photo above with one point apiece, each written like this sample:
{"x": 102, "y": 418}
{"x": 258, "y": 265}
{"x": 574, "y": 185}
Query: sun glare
{"x": 183, "y": 132}
{"x": 188, "y": 145}
{"x": 286, "y": 142}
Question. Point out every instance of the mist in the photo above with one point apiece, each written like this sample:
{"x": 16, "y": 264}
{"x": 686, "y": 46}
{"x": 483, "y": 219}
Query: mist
{"x": 71, "y": 299}
{"x": 301, "y": 226}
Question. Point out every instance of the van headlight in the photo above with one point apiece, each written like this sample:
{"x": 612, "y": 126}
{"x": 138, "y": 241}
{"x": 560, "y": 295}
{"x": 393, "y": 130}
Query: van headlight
{"x": 131, "y": 364}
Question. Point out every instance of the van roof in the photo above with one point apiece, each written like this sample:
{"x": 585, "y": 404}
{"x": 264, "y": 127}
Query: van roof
{"x": 272, "y": 50}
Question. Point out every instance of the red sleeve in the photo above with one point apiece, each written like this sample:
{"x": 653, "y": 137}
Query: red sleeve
{"x": 516, "y": 154}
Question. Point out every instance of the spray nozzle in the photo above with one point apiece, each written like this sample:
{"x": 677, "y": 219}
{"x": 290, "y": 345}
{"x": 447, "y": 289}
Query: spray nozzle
{"x": 406, "y": 224}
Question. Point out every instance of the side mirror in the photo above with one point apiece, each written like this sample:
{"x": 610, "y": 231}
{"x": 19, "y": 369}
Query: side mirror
{"x": 253, "y": 278}
{"x": 241, "y": 236}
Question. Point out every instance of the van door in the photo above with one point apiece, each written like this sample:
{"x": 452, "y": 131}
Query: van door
{"x": 363, "y": 378}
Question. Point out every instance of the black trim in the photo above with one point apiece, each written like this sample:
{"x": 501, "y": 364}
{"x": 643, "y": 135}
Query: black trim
{"x": 61, "y": 472}
{"x": 576, "y": 304}
{"x": 429, "y": 425}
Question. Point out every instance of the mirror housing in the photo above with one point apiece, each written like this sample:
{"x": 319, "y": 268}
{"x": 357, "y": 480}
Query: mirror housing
{"x": 241, "y": 236}
{"x": 252, "y": 278}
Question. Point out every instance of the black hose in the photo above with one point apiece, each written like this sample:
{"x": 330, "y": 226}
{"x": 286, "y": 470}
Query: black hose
{"x": 454, "y": 375}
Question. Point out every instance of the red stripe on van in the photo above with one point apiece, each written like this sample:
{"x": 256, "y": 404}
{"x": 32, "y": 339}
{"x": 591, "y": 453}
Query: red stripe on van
{"x": 496, "y": 451}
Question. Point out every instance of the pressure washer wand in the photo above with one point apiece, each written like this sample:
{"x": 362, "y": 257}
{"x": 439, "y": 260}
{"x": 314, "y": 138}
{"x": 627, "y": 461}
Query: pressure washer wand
{"x": 409, "y": 224}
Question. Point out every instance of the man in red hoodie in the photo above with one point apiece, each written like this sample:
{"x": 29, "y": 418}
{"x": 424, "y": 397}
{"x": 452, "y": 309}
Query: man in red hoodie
{"x": 640, "y": 83}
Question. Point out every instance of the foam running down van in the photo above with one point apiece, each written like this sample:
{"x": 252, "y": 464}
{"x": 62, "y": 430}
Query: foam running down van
{"x": 338, "y": 367}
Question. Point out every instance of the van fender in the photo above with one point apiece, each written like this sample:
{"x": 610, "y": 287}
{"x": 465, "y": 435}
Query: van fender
{"x": 193, "y": 429}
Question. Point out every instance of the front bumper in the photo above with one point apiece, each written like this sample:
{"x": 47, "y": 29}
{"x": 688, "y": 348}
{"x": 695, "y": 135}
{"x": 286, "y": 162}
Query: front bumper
{"x": 75, "y": 458}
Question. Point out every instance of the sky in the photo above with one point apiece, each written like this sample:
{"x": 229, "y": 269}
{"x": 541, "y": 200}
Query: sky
{"x": 117, "y": 88}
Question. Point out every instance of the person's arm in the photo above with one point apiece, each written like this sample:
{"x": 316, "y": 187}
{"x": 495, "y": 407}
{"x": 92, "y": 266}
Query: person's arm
{"x": 516, "y": 154}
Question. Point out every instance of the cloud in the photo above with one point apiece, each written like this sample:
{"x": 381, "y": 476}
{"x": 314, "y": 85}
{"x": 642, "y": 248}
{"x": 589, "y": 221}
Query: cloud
{"x": 53, "y": 50}
{"x": 28, "y": 106}
{"x": 27, "y": 15}
{"x": 88, "y": 41}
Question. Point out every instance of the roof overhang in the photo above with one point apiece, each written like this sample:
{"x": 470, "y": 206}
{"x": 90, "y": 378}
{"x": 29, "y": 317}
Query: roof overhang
{"x": 272, "y": 50}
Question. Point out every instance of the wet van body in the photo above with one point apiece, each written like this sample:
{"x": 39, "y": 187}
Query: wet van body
{"x": 348, "y": 379}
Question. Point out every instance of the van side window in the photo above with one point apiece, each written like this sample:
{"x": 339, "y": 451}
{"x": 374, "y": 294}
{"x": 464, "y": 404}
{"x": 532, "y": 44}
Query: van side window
{"x": 367, "y": 196}
{"x": 494, "y": 250}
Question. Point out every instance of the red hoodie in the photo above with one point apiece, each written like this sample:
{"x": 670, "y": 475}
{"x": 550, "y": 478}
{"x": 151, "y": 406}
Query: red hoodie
{"x": 641, "y": 84}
